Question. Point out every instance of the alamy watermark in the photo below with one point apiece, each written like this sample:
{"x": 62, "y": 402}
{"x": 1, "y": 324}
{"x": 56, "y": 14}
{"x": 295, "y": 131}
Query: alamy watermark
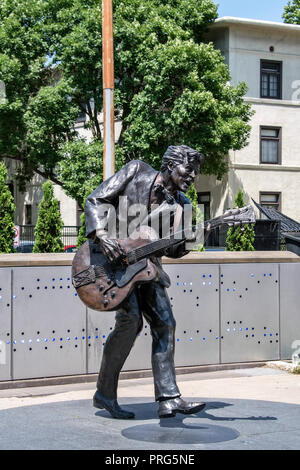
{"x": 296, "y": 353}
{"x": 163, "y": 221}
{"x": 2, "y": 353}
{"x": 296, "y": 93}
{"x": 2, "y": 92}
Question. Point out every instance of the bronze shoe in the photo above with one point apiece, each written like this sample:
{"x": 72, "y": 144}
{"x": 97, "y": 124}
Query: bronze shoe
{"x": 169, "y": 408}
{"x": 112, "y": 406}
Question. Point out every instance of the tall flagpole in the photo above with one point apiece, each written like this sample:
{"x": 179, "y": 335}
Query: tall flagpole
{"x": 108, "y": 89}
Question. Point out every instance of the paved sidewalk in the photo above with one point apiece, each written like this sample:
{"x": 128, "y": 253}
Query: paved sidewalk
{"x": 255, "y": 408}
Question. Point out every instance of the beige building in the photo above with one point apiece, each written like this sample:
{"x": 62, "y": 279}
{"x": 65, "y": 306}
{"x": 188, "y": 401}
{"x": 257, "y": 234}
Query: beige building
{"x": 266, "y": 56}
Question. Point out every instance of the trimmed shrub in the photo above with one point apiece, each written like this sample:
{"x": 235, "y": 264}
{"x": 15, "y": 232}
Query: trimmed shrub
{"x": 7, "y": 210}
{"x": 48, "y": 230}
{"x": 240, "y": 238}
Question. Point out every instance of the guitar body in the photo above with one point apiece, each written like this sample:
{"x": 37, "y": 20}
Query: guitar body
{"x": 105, "y": 286}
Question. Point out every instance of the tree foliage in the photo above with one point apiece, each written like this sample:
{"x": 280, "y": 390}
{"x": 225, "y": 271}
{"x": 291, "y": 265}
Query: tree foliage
{"x": 48, "y": 229}
{"x": 82, "y": 231}
{"x": 171, "y": 86}
{"x": 81, "y": 234}
{"x": 292, "y": 12}
{"x": 240, "y": 238}
{"x": 7, "y": 210}
{"x": 193, "y": 197}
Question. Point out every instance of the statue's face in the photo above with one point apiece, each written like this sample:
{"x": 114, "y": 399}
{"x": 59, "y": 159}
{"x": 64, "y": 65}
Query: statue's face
{"x": 183, "y": 175}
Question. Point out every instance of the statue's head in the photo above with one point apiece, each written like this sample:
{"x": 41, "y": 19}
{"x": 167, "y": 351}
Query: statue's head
{"x": 183, "y": 164}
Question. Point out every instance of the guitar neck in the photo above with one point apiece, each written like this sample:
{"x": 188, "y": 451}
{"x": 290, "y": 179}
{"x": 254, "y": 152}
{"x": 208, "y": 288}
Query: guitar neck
{"x": 154, "y": 247}
{"x": 232, "y": 217}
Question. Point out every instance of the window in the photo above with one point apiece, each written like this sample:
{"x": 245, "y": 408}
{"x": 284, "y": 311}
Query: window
{"x": 28, "y": 214}
{"x": 79, "y": 211}
{"x": 270, "y": 145}
{"x": 270, "y": 79}
{"x": 12, "y": 189}
{"x": 82, "y": 114}
{"x": 270, "y": 200}
{"x": 204, "y": 199}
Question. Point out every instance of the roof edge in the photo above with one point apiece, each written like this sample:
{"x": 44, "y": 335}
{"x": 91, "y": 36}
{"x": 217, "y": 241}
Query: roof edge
{"x": 231, "y": 20}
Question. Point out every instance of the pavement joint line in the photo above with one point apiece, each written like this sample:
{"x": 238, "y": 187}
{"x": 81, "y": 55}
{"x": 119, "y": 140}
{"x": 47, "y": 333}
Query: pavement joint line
{"x": 140, "y": 374}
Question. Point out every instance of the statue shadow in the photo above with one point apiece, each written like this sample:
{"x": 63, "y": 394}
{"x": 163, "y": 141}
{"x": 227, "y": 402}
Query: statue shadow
{"x": 148, "y": 410}
{"x": 176, "y": 431}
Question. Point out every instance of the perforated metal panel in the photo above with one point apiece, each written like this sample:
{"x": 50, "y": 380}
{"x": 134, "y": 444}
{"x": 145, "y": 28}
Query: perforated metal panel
{"x": 194, "y": 295}
{"x": 227, "y": 313}
{"x": 5, "y": 324}
{"x": 289, "y": 309}
{"x": 140, "y": 355}
{"x": 249, "y": 312}
{"x": 97, "y": 326}
{"x": 100, "y": 325}
{"x": 49, "y": 324}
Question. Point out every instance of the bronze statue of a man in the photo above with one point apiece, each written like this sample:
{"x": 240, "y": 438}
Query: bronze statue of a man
{"x": 140, "y": 183}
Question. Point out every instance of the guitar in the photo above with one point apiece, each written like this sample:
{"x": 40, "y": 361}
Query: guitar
{"x": 103, "y": 286}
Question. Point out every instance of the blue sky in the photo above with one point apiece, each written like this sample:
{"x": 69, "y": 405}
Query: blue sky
{"x": 268, "y": 10}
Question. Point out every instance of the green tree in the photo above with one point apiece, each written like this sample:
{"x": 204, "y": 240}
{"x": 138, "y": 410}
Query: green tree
{"x": 81, "y": 234}
{"x": 172, "y": 87}
{"x": 240, "y": 238}
{"x": 193, "y": 197}
{"x": 292, "y": 12}
{"x": 48, "y": 229}
{"x": 197, "y": 213}
{"x": 7, "y": 210}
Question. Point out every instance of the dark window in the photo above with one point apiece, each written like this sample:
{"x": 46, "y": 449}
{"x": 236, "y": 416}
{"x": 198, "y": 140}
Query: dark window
{"x": 12, "y": 189}
{"x": 270, "y": 79}
{"x": 204, "y": 199}
{"x": 82, "y": 114}
{"x": 270, "y": 201}
{"x": 79, "y": 211}
{"x": 270, "y": 145}
{"x": 28, "y": 214}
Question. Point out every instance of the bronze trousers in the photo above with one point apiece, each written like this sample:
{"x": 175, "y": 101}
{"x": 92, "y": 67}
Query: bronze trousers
{"x": 150, "y": 301}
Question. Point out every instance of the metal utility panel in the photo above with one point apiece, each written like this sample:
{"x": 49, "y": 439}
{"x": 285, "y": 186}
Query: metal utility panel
{"x": 100, "y": 325}
{"x": 194, "y": 296}
{"x": 49, "y": 324}
{"x": 249, "y": 312}
{"x": 140, "y": 356}
{"x": 5, "y": 324}
{"x": 289, "y": 309}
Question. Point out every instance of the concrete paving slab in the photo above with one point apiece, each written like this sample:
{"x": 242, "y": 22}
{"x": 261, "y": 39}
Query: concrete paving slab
{"x": 234, "y": 424}
{"x": 246, "y": 409}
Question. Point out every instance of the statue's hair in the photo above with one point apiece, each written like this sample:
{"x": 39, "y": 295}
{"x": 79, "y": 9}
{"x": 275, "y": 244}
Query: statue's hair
{"x": 181, "y": 154}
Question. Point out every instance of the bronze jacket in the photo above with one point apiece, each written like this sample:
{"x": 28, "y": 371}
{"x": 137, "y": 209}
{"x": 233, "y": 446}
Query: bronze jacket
{"x": 135, "y": 181}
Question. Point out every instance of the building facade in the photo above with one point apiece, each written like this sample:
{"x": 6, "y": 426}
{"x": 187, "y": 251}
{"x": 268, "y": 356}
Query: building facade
{"x": 266, "y": 56}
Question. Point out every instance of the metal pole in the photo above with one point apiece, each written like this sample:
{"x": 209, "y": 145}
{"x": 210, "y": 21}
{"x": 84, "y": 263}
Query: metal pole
{"x": 108, "y": 89}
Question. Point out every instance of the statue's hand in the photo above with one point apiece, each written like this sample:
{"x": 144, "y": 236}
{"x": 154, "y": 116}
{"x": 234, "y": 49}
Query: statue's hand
{"x": 111, "y": 249}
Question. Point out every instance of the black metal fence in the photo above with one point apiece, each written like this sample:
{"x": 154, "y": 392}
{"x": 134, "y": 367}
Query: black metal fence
{"x": 69, "y": 234}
